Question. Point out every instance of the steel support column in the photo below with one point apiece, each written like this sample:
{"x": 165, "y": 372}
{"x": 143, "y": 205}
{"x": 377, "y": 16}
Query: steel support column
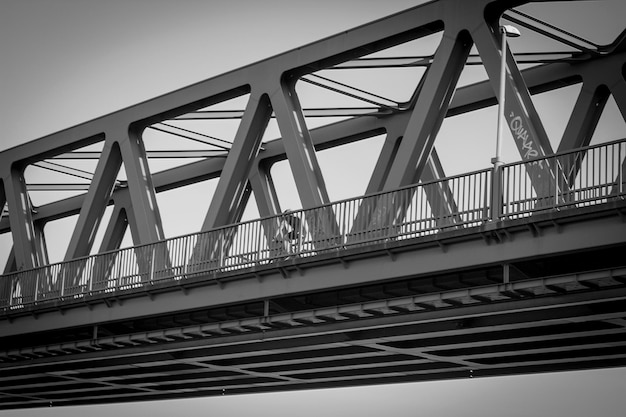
{"x": 581, "y": 125}
{"x": 430, "y": 109}
{"x": 234, "y": 177}
{"x": 298, "y": 145}
{"x": 584, "y": 118}
{"x": 141, "y": 189}
{"x": 303, "y": 161}
{"x": 26, "y": 248}
{"x": 264, "y": 190}
{"x": 114, "y": 233}
{"x": 96, "y": 201}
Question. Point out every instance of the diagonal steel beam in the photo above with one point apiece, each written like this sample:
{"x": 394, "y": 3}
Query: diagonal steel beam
{"x": 298, "y": 145}
{"x": 302, "y": 158}
{"x": 141, "y": 189}
{"x": 430, "y": 108}
{"x": 234, "y": 177}
{"x": 26, "y": 247}
{"x": 264, "y": 190}
{"x": 96, "y": 200}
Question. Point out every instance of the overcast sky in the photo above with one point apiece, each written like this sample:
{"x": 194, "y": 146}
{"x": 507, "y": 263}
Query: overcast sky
{"x": 63, "y": 62}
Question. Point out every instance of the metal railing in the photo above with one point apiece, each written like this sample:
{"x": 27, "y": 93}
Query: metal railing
{"x": 583, "y": 177}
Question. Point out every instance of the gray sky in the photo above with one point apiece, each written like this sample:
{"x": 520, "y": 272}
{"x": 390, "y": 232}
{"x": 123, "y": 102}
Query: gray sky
{"x": 64, "y": 62}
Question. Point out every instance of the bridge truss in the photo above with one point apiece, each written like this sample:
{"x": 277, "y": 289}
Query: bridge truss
{"x": 350, "y": 329}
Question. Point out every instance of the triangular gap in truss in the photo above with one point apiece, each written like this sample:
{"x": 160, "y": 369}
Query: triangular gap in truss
{"x": 121, "y": 174}
{"x": 205, "y": 133}
{"x": 57, "y": 234}
{"x": 121, "y": 181}
{"x": 611, "y": 125}
{"x": 272, "y": 131}
{"x": 555, "y": 108}
{"x": 343, "y": 180}
{"x": 346, "y": 180}
{"x": 6, "y": 244}
{"x": 473, "y": 71}
{"x": 285, "y": 185}
{"x": 62, "y": 176}
{"x": 251, "y": 211}
{"x": 603, "y": 165}
{"x": 467, "y": 142}
{"x": 599, "y": 23}
{"x": 183, "y": 209}
{"x": 104, "y": 222}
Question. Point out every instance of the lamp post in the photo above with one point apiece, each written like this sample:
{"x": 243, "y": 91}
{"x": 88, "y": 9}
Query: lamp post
{"x": 507, "y": 31}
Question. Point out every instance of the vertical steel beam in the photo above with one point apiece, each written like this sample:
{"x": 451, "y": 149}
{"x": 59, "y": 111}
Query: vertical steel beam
{"x": 298, "y": 145}
{"x": 234, "y": 177}
{"x": 40, "y": 239}
{"x": 264, "y": 190}
{"x": 96, "y": 201}
{"x": 439, "y": 195}
{"x": 141, "y": 189}
{"x": 303, "y": 162}
{"x": 430, "y": 108}
{"x": 585, "y": 116}
{"x": 26, "y": 248}
{"x": 385, "y": 160}
{"x": 114, "y": 233}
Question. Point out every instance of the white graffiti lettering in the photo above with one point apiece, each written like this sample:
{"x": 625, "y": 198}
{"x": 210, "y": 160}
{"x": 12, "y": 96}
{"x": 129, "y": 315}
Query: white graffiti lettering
{"x": 521, "y": 133}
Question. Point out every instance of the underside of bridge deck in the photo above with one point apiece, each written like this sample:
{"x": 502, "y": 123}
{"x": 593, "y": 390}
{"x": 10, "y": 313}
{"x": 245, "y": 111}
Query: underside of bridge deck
{"x": 576, "y": 322}
{"x": 562, "y": 311}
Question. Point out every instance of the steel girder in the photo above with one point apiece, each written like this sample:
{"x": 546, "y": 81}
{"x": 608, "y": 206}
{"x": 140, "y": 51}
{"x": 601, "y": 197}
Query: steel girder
{"x": 407, "y": 155}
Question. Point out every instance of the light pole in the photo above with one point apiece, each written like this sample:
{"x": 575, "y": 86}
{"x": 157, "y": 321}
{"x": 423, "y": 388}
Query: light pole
{"x": 510, "y": 32}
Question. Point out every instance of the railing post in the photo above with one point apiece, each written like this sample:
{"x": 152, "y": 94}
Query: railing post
{"x": 152, "y": 262}
{"x": 13, "y": 281}
{"x": 300, "y": 235}
{"x": 36, "y": 284}
{"x": 221, "y": 243}
{"x": 620, "y": 167}
{"x": 556, "y": 183}
{"x": 63, "y": 275}
{"x": 496, "y": 192}
{"x": 94, "y": 263}
{"x": 185, "y": 257}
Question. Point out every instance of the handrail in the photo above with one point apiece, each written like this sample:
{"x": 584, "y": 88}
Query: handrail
{"x": 582, "y": 177}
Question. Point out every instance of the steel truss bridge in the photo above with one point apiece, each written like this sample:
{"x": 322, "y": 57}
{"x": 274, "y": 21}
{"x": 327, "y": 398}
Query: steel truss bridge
{"x": 506, "y": 270}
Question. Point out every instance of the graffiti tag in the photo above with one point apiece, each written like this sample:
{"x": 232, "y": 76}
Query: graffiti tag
{"x": 521, "y": 134}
